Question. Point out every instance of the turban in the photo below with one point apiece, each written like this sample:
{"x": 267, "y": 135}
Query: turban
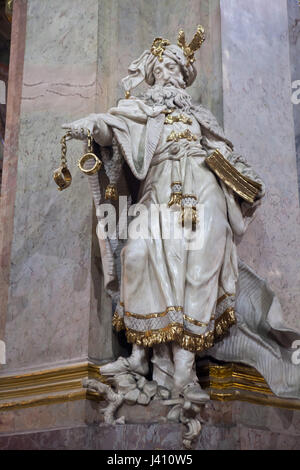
{"x": 142, "y": 68}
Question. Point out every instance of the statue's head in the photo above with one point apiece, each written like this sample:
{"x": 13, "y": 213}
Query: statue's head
{"x": 169, "y": 67}
{"x": 168, "y": 72}
{"x": 165, "y": 63}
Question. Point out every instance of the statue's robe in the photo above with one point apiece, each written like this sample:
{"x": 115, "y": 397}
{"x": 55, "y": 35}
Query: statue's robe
{"x": 169, "y": 293}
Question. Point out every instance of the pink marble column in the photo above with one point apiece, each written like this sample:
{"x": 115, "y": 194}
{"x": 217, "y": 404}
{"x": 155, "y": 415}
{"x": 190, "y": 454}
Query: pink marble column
{"x": 10, "y": 163}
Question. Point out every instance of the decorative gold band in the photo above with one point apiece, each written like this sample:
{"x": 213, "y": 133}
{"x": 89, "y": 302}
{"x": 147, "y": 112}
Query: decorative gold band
{"x": 195, "y": 322}
{"x": 176, "y": 332}
{"x": 140, "y": 316}
{"x": 153, "y": 315}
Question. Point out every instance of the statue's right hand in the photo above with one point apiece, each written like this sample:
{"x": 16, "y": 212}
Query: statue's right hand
{"x": 79, "y": 129}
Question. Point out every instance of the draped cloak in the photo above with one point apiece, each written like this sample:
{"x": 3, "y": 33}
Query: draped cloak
{"x": 164, "y": 294}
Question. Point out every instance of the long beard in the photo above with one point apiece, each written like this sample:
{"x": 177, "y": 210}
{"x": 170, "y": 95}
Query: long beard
{"x": 170, "y": 96}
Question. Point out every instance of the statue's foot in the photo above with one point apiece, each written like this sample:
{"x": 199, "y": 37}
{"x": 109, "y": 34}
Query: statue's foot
{"x": 195, "y": 394}
{"x": 117, "y": 367}
{"x": 122, "y": 365}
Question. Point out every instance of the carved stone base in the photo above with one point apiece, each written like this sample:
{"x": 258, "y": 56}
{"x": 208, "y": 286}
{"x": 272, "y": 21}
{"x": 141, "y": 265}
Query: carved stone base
{"x": 133, "y": 390}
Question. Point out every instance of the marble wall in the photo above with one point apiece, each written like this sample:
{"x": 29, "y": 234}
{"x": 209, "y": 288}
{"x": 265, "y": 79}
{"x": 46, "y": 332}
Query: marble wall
{"x": 258, "y": 117}
{"x": 49, "y": 301}
{"x": 294, "y": 37}
{"x": 10, "y": 163}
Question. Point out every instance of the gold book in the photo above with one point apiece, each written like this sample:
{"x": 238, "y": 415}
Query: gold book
{"x": 245, "y": 187}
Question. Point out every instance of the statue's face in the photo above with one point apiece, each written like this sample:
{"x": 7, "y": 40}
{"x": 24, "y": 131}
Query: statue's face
{"x": 168, "y": 72}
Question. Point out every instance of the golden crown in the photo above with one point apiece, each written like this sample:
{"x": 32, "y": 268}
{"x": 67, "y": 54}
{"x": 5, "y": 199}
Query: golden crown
{"x": 193, "y": 46}
{"x": 159, "y": 45}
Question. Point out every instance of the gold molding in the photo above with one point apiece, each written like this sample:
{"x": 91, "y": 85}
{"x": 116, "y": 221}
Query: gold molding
{"x": 230, "y": 382}
{"x": 47, "y": 387}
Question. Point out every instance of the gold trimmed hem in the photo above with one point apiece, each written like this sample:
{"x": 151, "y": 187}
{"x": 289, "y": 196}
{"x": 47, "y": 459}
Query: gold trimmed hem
{"x": 176, "y": 332}
{"x": 139, "y": 316}
{"x": 196, "y": 322}
{"x": 118, "y": 322}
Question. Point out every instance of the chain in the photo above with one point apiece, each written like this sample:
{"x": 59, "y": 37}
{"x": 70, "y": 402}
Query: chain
{"x": 90, "y": 141}
{"x": 63, "y": 142}
{"x": 64, "y": 149}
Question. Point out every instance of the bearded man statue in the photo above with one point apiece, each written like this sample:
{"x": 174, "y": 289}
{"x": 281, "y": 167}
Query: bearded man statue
{"x": 178, "y": 301}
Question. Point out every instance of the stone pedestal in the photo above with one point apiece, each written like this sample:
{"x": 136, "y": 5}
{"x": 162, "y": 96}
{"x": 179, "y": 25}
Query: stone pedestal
{"x": 229, "y": 426}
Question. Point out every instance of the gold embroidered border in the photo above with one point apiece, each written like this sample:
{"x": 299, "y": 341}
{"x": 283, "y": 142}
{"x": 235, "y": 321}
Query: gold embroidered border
{"x": 139, "y": 316}
{"x": 176, "y": 332}
{"x": 118, "y": 322}
{"x": 195, "y": 322}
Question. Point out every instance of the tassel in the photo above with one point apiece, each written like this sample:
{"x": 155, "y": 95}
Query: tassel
{"x": 176, "y": 194}
{"x": 189, "y": 214}
{"x": 175, "y": 199}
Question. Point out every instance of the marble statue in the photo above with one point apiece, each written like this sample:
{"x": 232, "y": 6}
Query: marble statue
{"x": 178, "y": 301}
